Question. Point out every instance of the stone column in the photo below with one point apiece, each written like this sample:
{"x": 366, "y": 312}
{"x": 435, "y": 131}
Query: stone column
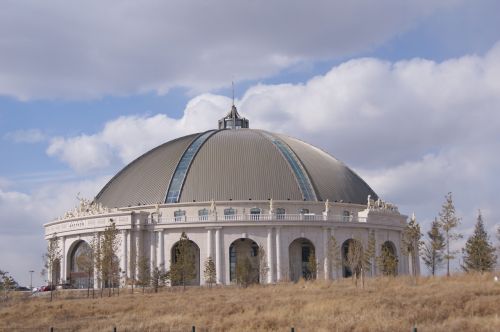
{"x": 167, "y": 252}
{"x": 98, "y": 243}
{"x": 334, "y": 274}
{"x": 218, "y": 256}
{"x": 152, "y": 254}
{"x": 209, "y": 243}
{"x": 123, "y": 260}
{"x": 138, "y": 251}
{"x": 326, "y": 259}
{"x": 270, "y": 275}
{"x": 63, "y": 260}
{"x": 278, "y": 254}
{"x": 161, "y": 259}
{"x": 128, "y": 250}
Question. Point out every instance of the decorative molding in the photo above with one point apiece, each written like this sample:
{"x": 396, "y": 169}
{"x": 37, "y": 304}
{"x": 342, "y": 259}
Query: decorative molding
{"x": 85, "y": 208}
{"x": 380, "y": 205}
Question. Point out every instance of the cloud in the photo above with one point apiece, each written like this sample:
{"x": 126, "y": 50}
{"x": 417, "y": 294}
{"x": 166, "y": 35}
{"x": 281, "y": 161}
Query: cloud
{"x": 26, "y": 136}
{"x": 414, "y": 129}
{"x": 23, "y": 216}
{"x": 127, "y": 137}
{"x": 55, "y": 50}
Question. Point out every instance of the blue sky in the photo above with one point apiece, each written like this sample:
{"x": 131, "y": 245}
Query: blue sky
{"x": 406, "y": 93}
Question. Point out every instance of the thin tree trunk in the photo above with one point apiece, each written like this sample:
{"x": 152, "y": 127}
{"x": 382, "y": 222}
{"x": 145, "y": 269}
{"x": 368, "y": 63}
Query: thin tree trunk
{"x": 448, "y": 257}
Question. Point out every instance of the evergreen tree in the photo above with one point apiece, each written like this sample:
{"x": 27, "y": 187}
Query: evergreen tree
{"x": 432, "y": 250}
{"x": 448, "y": 221}
{"x": 387, "y": 261}
{"x": 312, "y": 266}
{"x": 183, "y": 269}
{"x": 479, "y": 253}
{"x": 210, "y": 272}
{"x": 243, "y": 271}
{"x": 411, "y": 243}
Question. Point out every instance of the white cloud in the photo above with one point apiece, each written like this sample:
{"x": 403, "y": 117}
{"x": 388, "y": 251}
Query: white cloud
{"x": 23, "y": 216}
{"x": 26, "y": 136}
{"x": 55, "y": 49}
{"x": 415, "y": 129}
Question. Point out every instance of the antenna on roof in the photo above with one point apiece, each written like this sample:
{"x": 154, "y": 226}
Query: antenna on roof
{"x": 232, "y": 83}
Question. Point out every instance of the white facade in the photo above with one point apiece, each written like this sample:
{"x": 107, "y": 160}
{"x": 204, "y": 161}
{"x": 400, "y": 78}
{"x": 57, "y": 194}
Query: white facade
{"x": 153, "y": 230}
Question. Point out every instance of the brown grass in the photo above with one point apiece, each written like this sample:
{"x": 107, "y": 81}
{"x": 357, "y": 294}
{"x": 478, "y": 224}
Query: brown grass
{"x": 459, "y": 303}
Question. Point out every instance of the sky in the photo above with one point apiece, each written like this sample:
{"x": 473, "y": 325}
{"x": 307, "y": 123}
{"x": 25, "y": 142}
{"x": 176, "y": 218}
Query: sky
{"x": 406, "y": 93}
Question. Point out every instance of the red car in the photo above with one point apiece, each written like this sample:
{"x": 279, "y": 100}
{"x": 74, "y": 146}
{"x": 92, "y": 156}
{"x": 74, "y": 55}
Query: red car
{"x": 47, "y": 288}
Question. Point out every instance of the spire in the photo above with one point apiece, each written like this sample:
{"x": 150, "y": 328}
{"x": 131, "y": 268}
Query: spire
{"x": 233, "y": 120}
{"x": 232, "y": 83}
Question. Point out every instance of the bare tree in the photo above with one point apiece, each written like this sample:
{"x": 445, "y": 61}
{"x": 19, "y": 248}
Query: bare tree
{"x": 110, "y": 265}
{"x": 354, "y": 259}
{"x": 52, "y": 258}
{"x": 144, "y": 273}
{"x": 263, "y": 266}
{"x": 132, "y": 279}
{"x": 85, "y": 262}
{"x": 368, "y": 255}
{"x": 334, "y": 255}
{"x": 158, "y": 277}
{"x": 432, "y": 250}
{"x": 7, "y": 283}
{"x": 210, "y": 272}
{"x": 411, "y": 244}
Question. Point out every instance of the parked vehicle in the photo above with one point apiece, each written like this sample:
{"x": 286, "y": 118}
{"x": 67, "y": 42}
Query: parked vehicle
{"x": 47, "y": 288}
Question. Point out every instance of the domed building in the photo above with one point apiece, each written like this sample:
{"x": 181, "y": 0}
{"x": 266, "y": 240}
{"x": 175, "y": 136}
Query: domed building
{"x": 233, "y": 191}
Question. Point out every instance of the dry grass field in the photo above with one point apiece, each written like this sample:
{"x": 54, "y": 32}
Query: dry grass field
{"x": 459, "y": 303}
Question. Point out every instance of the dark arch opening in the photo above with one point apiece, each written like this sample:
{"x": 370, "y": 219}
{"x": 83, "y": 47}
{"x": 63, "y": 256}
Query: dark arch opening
{"x": 302, "y": 256}
{"x": 244, "y": 262}
{"x": 194, "y": 257}
{"x": 347, "y": 271}
{"x": 81, "y": 266}
{"x": 389, "y": 259}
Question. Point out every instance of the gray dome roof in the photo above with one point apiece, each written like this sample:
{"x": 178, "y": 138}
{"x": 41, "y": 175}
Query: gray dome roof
{"x": 237, "y": 164}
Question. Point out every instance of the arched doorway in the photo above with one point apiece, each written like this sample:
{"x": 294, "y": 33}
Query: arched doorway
{"x": 186, "y": 260}
{"x": 244, "y": 262}
{"x": 81, "y": 265}
{"x": 352, "y": 254}
{"x": 388, "y": 259}
{"x": 303, "y": 263}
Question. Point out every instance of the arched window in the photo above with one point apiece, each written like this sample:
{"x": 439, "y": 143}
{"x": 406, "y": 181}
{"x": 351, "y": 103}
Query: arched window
{"x": 229, "y": 214}
{"x": 180, "y": 215}
{"x": 255, "y": 213}
{"x": 203, "y": 214}
{"x": 280, "y": 213}
{"x": 346, "y": 216}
